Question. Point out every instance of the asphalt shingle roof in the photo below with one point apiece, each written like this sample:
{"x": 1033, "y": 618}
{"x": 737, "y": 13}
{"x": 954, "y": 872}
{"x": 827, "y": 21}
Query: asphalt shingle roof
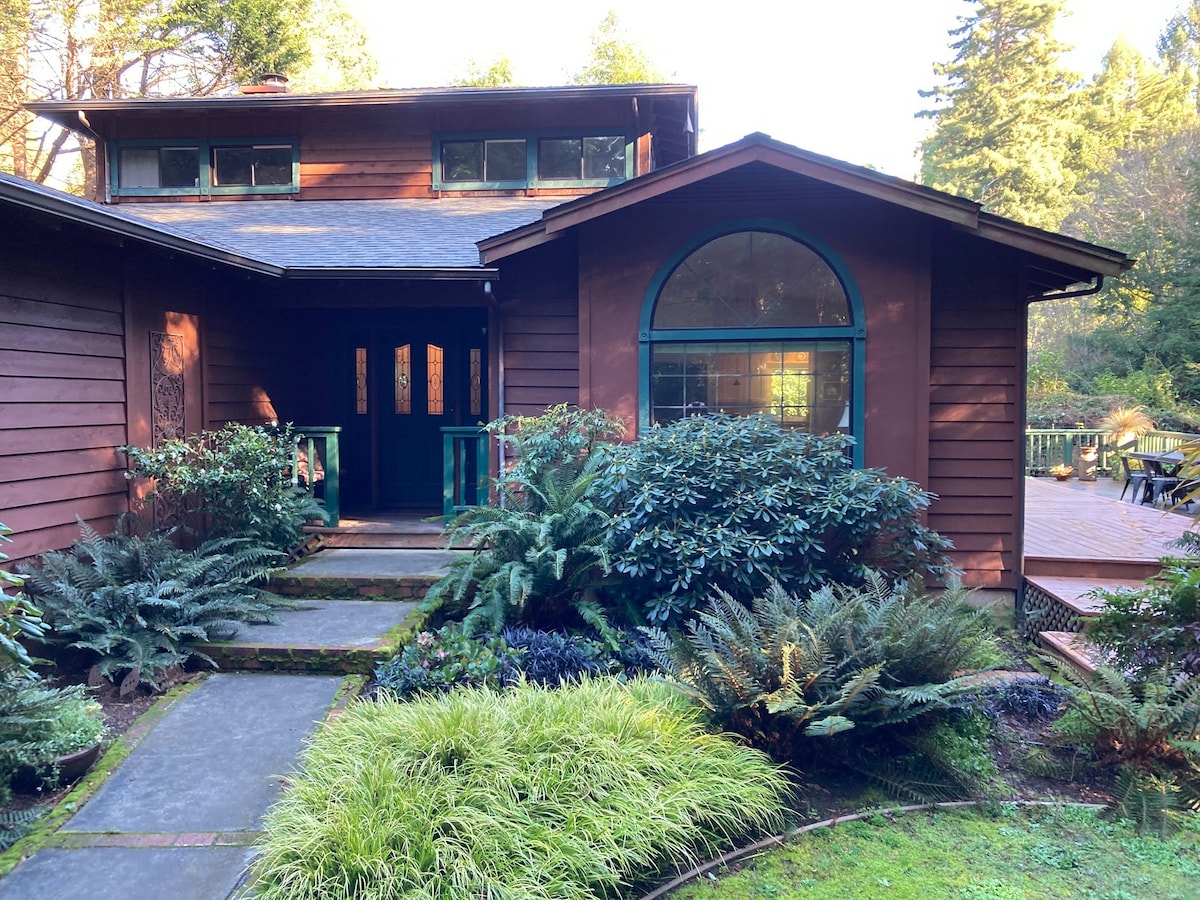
{"x": 362, "y": 234}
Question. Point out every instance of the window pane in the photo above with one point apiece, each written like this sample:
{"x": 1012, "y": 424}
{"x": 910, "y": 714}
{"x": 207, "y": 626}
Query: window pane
{"x": 803, "y": 384}
{"x": 233, "y": 165}
{"x": 179, "y": 167}
{"x": 138, "y": 167}
{"x": 434, "y": 374}
{"x": 505, "y": 161}
{"x": 402, "y": 373}
{"x": 462, "y": 161}
{"x": 360, "y": 381}
{"x": 273, "y": 165}
{"x": 559, "y": 158}
{"x": 752, "y": 279}
{"x": 604, "y": 157}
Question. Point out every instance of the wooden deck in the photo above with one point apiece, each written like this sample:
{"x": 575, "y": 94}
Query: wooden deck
{"x": 1070, "y": 532}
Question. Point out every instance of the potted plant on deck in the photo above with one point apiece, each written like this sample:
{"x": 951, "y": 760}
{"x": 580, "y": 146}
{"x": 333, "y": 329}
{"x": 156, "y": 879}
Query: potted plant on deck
{"x": 1062, "y": 471}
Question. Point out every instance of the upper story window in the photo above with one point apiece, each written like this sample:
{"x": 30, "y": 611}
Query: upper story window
{"x": 146, "y": 168}
{"x": 513, "y": 162}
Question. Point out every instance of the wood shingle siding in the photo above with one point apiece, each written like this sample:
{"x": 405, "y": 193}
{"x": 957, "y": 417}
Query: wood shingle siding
{"x": 62, "y": 390}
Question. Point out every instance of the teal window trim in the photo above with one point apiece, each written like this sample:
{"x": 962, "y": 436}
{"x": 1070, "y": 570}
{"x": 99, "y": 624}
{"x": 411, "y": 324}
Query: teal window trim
{"x": 855, "y": 333}
{"x": 204, "y": 150}
{"x": 531, "y": 139}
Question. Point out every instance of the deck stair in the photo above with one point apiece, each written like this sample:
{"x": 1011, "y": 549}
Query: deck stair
{"x": 1057, "y": 610}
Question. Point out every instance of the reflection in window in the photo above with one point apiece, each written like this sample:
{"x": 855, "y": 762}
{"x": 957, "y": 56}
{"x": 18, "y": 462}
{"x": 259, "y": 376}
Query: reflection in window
{"x": 581, "y": 158}
{"x": 752, "y": 279}
{"x": 158, "y": 167}
{"x": 476, "y": 382}
{"x": 434, "y": 359}
{"x": 360, "y": 380}
{"x": 484, "y": 160}
{"x": 252, "y": 166}
{"x": 403, "y": 379}
{"x": 803, "y": 384}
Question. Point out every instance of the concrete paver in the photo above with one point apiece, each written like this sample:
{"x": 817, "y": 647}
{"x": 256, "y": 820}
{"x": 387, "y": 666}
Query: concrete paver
{"x": 215, "y": 762}
{"x": 118, "y": 873}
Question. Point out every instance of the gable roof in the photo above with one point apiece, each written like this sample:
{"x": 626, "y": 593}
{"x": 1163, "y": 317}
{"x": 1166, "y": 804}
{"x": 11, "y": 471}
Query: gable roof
{"x": 1074, "y": 257}
{"x": 311, "y": 239}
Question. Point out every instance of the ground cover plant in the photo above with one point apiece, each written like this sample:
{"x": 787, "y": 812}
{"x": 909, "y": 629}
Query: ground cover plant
{"x": 140, "y": 604}
{"x": 448, "y": 658}
{"x": 571, "y": 793}
{"x": 233, "y": 482}
{"x": 733, "y": 503}
{"x": 998, "y": 851}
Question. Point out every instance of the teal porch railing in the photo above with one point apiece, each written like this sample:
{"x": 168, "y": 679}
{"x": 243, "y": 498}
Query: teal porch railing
{"x": 316, "y": 467}
{"x": 464, "y": 469}
{"x": 1047, "y": 447}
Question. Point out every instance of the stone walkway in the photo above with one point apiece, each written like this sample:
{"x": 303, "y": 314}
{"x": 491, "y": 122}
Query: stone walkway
{"x": 180, "y": 816}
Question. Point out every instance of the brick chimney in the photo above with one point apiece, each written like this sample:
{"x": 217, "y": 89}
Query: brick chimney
{"x": 270, "y": 83}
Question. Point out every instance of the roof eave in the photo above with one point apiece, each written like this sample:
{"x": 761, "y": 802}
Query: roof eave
{"x": 393, "y": 273}
{"x": 754, "y": 148}
{"x": 97, "y": 218}
{"x": 66, "y": 112}
{"x": 1050, "y": 245}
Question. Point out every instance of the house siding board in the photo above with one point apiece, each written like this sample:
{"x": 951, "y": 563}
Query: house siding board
{"x": 977, "y": 340}
{"x": 62, "y": 382}
{"x": 540, "y": 330}
{"x": 243, "y": 362}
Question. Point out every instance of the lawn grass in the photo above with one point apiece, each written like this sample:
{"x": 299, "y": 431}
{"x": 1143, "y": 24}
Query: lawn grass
{"x": 1001, "y": 853}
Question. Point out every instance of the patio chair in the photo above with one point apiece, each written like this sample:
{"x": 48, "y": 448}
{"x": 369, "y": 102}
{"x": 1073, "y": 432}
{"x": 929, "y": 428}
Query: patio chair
{"x": 1161, "y": 484}
{"x": 1134, "y": 479}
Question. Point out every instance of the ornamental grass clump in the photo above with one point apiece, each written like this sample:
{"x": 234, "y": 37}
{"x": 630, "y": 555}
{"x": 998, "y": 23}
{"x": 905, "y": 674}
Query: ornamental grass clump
{"x": 531, "y": 793}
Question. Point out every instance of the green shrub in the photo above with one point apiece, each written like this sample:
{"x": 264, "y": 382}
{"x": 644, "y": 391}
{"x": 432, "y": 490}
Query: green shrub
{"x": 235, "y": 482}
{"x": 792, "y": 668}
{"x": 1155, "y": 626}
{"x": 733, "y": 503}
{"x": 562, "y": 440}
{"x": 1149, "y": 727}
{"x": 40, "y": 723}
{"x": 139, "y": 603}
{"x": 18, "y": 619}
{"x": 575, "y": 793}
{"x": 538, "y": 558}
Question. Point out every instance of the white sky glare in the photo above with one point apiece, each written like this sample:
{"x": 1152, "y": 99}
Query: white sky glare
{"x": 838, "y": 77}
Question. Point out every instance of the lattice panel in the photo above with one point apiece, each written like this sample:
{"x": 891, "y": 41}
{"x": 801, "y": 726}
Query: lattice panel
{"x": 1043, "y": 612}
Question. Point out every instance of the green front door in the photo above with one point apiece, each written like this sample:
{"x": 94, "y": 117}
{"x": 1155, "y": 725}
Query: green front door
{"x": 411, "y": 379}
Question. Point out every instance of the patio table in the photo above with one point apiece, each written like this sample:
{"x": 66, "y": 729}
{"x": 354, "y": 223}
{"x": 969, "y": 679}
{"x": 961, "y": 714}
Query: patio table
{"x": 1162, "y": 471}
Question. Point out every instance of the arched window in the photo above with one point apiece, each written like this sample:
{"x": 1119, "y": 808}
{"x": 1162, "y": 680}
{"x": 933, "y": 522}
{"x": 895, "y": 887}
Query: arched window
{"x": 752, "y": 321}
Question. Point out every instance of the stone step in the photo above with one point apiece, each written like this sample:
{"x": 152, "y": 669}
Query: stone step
{"x": 1072, "y": 647}
{"x": 322, "y": 636}
{"x": 361, "y": 573}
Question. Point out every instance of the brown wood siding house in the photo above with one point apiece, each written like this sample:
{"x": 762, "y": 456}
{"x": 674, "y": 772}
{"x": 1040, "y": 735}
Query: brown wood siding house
{"x": 375, "y": 262}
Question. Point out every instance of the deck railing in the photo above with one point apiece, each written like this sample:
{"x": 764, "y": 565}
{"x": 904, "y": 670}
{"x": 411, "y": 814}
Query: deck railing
{"x": 1047, "y": 447}
{"x": 464, "y": 469}
{"x": 317, "y": 468}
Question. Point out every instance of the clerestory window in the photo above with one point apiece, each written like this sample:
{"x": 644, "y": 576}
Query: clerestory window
{"x": 517, "y": 161}
{"x": 148, "y": 168}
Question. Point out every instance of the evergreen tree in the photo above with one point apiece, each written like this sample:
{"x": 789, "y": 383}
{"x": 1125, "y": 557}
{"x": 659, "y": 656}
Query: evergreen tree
{"x": 1005, "y": 118}
{"x": 497, "y": 74}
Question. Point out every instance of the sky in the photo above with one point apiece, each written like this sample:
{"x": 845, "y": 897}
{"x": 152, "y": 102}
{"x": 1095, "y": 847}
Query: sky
{"x": 838, "y": 77}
